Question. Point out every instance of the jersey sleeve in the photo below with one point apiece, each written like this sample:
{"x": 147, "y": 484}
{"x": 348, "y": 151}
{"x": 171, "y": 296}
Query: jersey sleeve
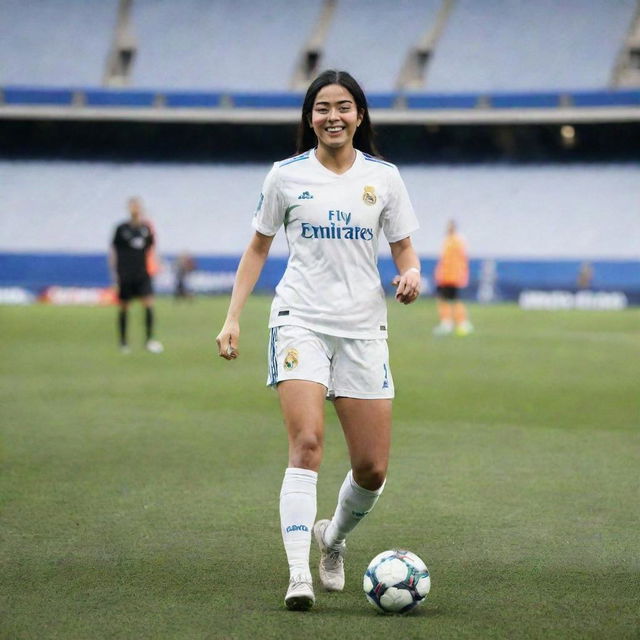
{"x": 398, "y": 217}
{"x": 270, "y": 211}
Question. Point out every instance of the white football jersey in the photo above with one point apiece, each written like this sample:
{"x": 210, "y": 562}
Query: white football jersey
{"x": 332, "y": 223}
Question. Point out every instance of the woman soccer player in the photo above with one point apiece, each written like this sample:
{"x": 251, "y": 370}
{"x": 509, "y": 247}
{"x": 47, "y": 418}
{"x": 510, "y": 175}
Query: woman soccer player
{"x": 328, "y": 324}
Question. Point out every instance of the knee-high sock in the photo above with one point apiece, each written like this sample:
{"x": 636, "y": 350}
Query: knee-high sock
{"x": 297, "y": 515}
{"x": 148, "y": 322}
{"x": 122, "y": 326}
{"x": 354, "y": 503}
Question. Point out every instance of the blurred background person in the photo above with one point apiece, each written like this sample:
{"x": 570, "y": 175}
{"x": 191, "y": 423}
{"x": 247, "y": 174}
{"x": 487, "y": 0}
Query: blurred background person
{"x": 585, "y": 276}
{"x": 129, "y": 266}
{"x": 451, "y": 275}
{"x": 184, "y": 265}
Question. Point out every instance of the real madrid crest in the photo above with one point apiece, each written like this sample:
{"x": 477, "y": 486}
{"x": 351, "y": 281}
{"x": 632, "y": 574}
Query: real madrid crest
{"x": 291, "y": 359}
{"x": 369, "y": 196}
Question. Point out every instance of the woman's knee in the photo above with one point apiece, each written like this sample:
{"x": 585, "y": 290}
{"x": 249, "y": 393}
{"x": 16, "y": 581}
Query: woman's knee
{"x": 305, "y": 449}
{"x": 371, "y": 475}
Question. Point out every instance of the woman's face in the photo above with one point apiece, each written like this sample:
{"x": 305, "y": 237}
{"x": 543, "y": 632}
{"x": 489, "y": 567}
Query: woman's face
{"x": 335, "y": 117}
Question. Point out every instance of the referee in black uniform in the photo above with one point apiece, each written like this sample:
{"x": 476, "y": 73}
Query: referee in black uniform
{"x": 128, "y": 264}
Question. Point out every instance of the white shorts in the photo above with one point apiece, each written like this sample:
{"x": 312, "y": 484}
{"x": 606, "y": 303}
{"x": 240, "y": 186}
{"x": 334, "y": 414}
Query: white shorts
{"x": 346, "y": 367}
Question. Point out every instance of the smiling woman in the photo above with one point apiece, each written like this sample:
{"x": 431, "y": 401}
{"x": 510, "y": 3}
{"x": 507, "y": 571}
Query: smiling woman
{"x": 334, "y": 120}
{"x": 335, "y": 116}
{"x": 328, "y": 319}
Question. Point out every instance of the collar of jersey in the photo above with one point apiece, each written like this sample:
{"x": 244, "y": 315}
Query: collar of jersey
{"x": 353, "y": 167}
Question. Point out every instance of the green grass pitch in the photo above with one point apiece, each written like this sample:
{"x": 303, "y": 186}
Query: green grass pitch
{"x": 139, "y": 493}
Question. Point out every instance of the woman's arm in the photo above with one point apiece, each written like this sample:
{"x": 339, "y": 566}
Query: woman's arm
{"x": 247, "y": 275}
{"x": 408, "y": 283}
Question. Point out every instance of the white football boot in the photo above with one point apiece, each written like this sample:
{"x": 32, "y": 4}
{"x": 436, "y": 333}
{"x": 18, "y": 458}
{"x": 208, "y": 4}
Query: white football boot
{"x": 331, "y": 566}
{"x": 443, "y": 329}
{"x": 154, "y": 346}
{"x": 300, "y": 596}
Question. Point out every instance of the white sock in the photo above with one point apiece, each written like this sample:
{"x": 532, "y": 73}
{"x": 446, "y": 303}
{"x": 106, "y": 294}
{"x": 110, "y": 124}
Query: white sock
{"x": 297, "y": 515}
{"x": 354, "y": 503}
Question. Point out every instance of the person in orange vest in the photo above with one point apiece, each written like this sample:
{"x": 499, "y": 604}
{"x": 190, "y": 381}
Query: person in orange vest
{"x": 451, "y": 275}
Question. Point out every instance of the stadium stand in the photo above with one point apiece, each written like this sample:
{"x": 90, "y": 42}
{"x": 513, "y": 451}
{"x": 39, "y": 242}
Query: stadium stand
{"x": 193, "y": 44}
{"x": 72, "y": 53}
{"x": 431, "y": 55}
{"x": 372, "y": 39}
{"x": 498, "y": 58}
{"x": 626, "y": 72}
{"x": 529, "y": 46}
{"x": 507, "y": 210}
{"x": 535, "y": 233}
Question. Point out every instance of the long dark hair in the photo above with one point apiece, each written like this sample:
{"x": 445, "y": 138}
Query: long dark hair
{"x": 363, "y": 138}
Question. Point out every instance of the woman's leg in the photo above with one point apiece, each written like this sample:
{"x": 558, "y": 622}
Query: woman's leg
{"x": 302, "y": 404}
{"x": 367, "y": 429}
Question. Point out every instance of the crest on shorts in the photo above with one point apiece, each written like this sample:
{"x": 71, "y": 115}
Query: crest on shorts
{"x": 291, "y": 359}
{"x": 369, "y": 195}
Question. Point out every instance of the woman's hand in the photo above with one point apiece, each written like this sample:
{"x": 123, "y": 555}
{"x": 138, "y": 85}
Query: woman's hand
{"x": 227, "y": 340}
{"x": 408, "y": 285}
{"x": 247, "y": 275}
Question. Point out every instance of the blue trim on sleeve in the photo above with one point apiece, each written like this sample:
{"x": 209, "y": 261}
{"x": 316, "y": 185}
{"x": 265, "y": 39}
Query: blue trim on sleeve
{"x": 302, "y": 156}
{"x": 374, "y": 159}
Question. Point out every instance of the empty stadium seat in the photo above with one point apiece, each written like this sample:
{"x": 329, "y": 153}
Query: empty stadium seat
{"x": 537, "y": 211}
{"x": 56, "y": 44}
{"x": 371, "y": 39}
{"x": 522, "y": 46}
{"x": 233, "y": 45}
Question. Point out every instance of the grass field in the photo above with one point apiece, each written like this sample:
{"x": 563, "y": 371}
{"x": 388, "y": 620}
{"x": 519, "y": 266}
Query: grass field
{"x": 139, "y": 493}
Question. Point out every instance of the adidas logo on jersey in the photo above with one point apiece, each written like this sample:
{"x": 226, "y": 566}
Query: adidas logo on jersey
{"x": 305, "y": 195}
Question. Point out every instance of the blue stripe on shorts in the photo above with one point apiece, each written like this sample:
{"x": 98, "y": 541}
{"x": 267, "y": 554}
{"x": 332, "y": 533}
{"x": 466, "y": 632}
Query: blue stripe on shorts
{"x": 273, "y": 356}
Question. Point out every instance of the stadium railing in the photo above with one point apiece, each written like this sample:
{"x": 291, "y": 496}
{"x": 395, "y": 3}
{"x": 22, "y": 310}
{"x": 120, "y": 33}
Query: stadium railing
{"x": 393, "y": 107}
{"x": 24, "y": 95}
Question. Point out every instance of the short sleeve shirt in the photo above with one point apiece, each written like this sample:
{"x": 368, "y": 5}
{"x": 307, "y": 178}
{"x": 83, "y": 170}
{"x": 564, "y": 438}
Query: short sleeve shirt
{"x": 333, "y": 224}
{"x": 131, "y": 244}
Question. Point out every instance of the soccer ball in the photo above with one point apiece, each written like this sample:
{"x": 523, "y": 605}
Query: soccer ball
{"x": 396, "y": 581}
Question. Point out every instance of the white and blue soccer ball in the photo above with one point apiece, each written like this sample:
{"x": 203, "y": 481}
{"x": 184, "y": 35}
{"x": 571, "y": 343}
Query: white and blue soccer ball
{"x": 396, "y": 581}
